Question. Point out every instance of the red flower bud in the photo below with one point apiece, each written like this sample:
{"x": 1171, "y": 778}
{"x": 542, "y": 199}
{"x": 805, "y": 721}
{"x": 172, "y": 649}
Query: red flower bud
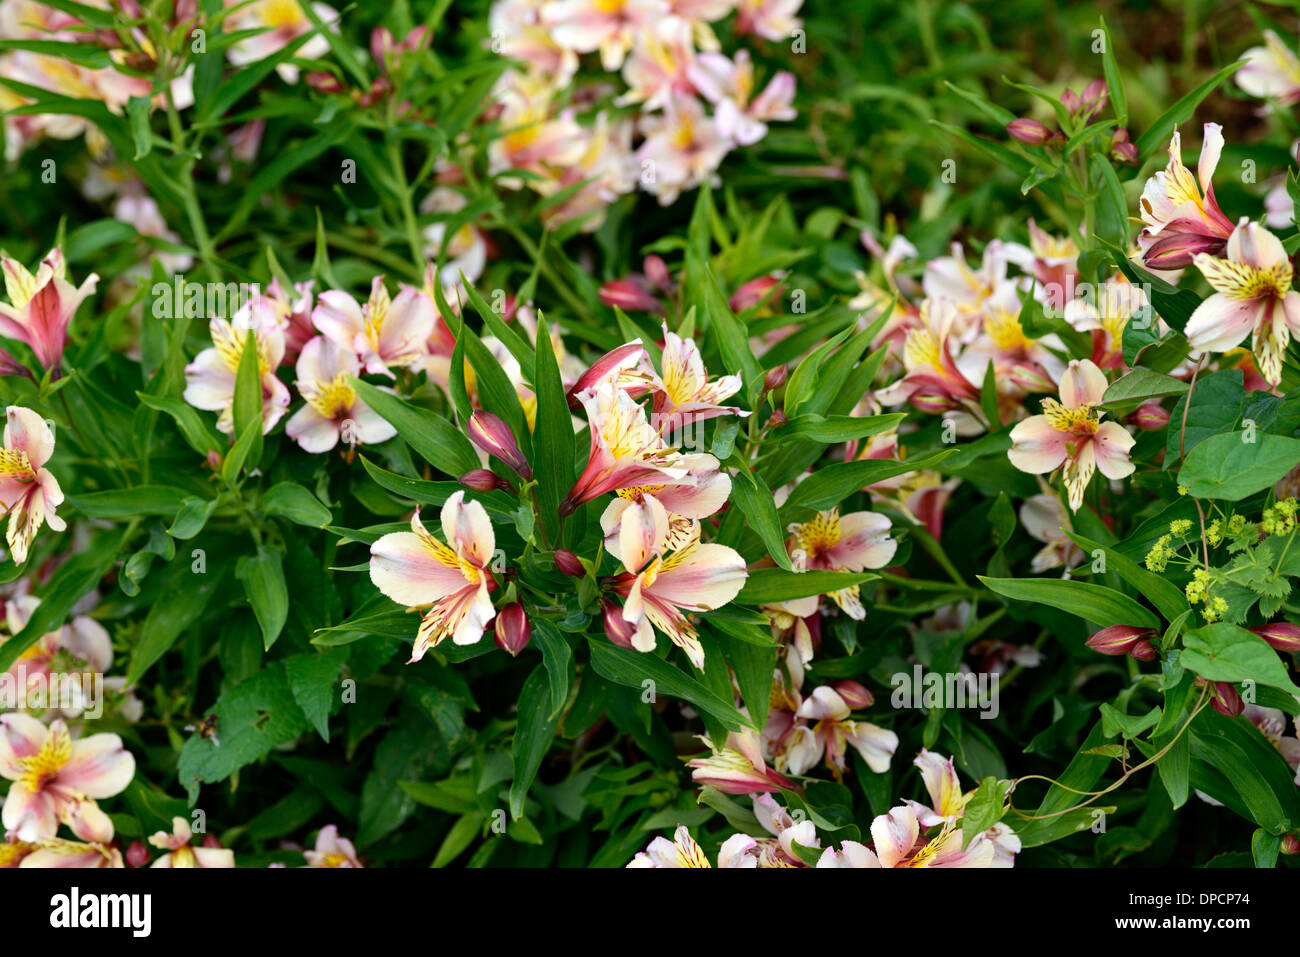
{"x": 1143, "y": 650}
{"x": 1290, "y": 844}
{"x": 656, "y": 271}
{"x": 753, "y": 292}
{"x": 617, "y": 628}
{"x": 624, "y": 357}
{"x": 1028, "y": 131}
{"x": 1150, "y": 416}
{"x": 777, "y": 420}
{"x": 1119, "y": 639}
{"x": 1225, "y": 699}
{"x": 855, "y": 695}
{"x": 480, "y": 480}
{"x": 210, "y": 840}
{"x": 513, "y": 629}
{"x": 628, "y": 295}
{"x": 775, "y": 378}
{"x": 494, "y": 437}
{"x": 137, "y": 855}
{"x": 323, "y": 82}
{"x": 568, "y": 563}
{"x": 1282, "y": 635}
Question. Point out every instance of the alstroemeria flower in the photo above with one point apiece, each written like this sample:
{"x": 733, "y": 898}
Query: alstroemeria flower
{"x": 660, "y": 64}
{"x": 1252, "y": 296}
{"x": 947, "y": 799}
{"x": 683, "y": 393}
{"x": 609, "y": 26}
{"x": 773, "y": 20}
{"x": 899, "y": 843}
{"x": 1055, "y": 266}
{"x": 1182, "y": 220}
{"x": 210, "y": 378}
{"x": 453, "y": 579}
{"x": 1070, "y": 433}
{"x": 660, "y": 587}
{"x": 683, "y": 148}
{"x": 40, "y": 307}
{"x": 56, "y": 779}
{"x": 332, "y": 850}
{"x": 1272, "y": 72}
{"x": 729, "y": 84}
{"x": 737, "y": 767}
{"x": 384, "y": 332}
{"x": 58, "y": 852}
{"x": 1105, "y": 318}
{"x": 834, "y": 731}
{"x": 181, "y": 854}
{"x": 1046, "y": 519}
{"x": 1020, "y": 363}
{"x": 626, "y": 451}
{"x": 282, "y": 22}
{"x": 932, "y": 382}
{"x": 684, "y": 503}
{"x": 333, "y": 412}
{"x": 681, "y": 851}
{"x": 29, "y": 494}
{"x": 842, "y": 543}
{"x": 81, "y": 644}
{"x": 950, "y": 280}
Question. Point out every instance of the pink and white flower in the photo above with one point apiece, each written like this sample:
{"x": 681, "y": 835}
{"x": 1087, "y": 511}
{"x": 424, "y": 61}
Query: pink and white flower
{"x": 1182, "y": 219}
{"x": 729, "y": 85}
{"x": 210, "y": 378}
{"x": 29, "y": 493}
{"x": 333, "y": 412}
{"x": 181, "y": 854}
{"x": 41, "y": 307}
{"x": 385, "y": 332}
{"x": 1070, "y": 433}
{"x": 332, "y": 850}
{"x": 451, "y": 580}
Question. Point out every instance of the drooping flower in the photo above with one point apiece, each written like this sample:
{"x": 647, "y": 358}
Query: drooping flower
{"x": 737, "y": 767}
{"x": 834, "y": 731}
{"x": 452, "y": 580}
{"x": 210, "y": 378}
{"x": 332, "y": 850}
{"x": 40, "y": 307}
{"x": 385, "y": 332}
{"x": 1070, "y": 433}
{"x": 626, "y": 451}
{"x": 29, "y": 493}
{"x": 1253, "y": 296}
{"x": 56, "y": 779}
{"x": 1181, "y": 219}
{"x": 661, "y": 587}
{"x": 181, "y": 854}
{"x": 333, "y": 412}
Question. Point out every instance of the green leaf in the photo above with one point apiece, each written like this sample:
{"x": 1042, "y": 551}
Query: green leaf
{"x": 554, "y": 466}
{"x": 297, "y": 504}
{"x": 1223, "y": 652}
{"x": 1161, "y": 592}
{"x": 558, "y": 658}
{"x": 130, "y": 502}
{"x": 248, "y": 398}
{"x": 834, "y": 483}
{"x": 633, "y": 668}
{"x": 1141, "y": 385}
{"x": 313, "y": 679}
{"x": 765, "y": 585}
{"x": 1114, "y": 83}
{"x": 198, "y": 435}
{"x": 1094, "y": 603}
{"x": 432, "y": 437}
{"x": 752, "y": 496}
{"x": 1231, "y": 468}
{"x": 984, "y": 809}
{"x": 1158, "y": 133}
{"x": 168, "y": 620}
{"x": 263, "y": 578}
{"x": 533, "y": 734}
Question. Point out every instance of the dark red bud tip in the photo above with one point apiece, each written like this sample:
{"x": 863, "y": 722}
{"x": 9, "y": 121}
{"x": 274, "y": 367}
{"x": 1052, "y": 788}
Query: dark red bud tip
{"x": 513, "y": 629}
{"x": 1119, "y": 639}
{"x": 1290, "y": 844}
{"x": 1225, "y": 699}
{"x": 617, "y": 628}
{"x": 137, "y": 855}
{"x": 1282, "y": 635}
{"x": 1028, "y": 131}
{"x": 775, "y": 378}
{"x": 480, "y": 480}
{"x": 857, "y": 696}
{"x": 1143, "y": 650}
{"x": 568, "y": 563}
{"x": 777, "y": 420}
{"x": 210, "y": 840}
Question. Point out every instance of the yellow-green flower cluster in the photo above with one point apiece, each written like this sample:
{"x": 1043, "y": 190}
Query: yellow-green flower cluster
{"x": 1280, "y": 517}
{"x": 1198, "y": 590}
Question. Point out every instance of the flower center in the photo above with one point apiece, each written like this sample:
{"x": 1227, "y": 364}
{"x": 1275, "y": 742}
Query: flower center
{"x": 819, "y": 534}
{"x": 15, "y": 464}
{"x": 1080, "y": 421}
{"x": 37, "y": 770}
{"x": 332, "y": 399}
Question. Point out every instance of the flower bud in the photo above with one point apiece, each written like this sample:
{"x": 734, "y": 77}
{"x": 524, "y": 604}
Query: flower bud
{"x": 1122, "y": 150}
{"x": 775, "y": 378}
{"x": 568, "y": 563}
{"x": 1119, "y": 639}
{"x": 513, "y": 629}
{"x": 1095, "y": 97}
{"x": 1281, "y": 635}
{"x": 1150, "y": 416}
{"x": 750, "y": 294}
{"x": 1290, "y": 844}
{"x": 323, "y": 82}
{"x": 618, "y": 629}
{"x": 857, "y": 696}
{"x": 1142, "y": 650}
{"x": 656, "y": 271}
{"x": 137, "y": 855}
{"x": 480, "y": 480}
{"x": 1225, "y": 699}
{"x": 493, "y": 436}
{"x": 210, "y": 840}
{"x": 628, "y": 295}
{"x": 1070, "y": 100}
{"x": 777, "y": 419}
{"x": 1028, "y": 131}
